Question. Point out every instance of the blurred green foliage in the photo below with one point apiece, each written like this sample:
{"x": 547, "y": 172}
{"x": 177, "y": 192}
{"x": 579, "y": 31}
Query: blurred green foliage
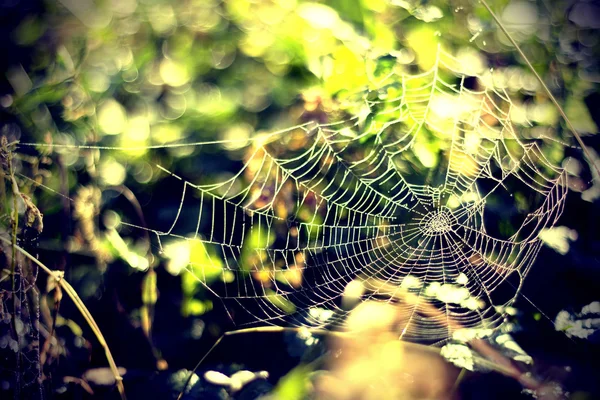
{"x": 135, "y": 74}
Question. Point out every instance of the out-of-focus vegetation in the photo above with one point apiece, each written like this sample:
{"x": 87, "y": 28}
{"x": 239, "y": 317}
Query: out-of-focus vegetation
{"x": 142, "y": 75}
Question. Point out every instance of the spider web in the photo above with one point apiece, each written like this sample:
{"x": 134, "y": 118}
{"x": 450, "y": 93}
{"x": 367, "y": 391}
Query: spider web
{"x": 406, "y": 198}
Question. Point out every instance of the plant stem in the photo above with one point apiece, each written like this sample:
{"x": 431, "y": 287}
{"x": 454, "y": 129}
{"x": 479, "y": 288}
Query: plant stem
{"x": 15, "y": 223}
{"x": 68, "y": 289}
{"x": 546, "y": 89}
{"x": 13, "y": 262}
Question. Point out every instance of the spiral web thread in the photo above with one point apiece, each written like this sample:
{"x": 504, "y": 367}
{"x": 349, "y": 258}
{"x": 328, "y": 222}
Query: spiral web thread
{"x": 359, "y": 205}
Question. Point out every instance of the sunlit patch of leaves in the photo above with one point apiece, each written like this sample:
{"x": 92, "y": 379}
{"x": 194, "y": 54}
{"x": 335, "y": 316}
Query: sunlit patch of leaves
{"x": 583, "y": 324}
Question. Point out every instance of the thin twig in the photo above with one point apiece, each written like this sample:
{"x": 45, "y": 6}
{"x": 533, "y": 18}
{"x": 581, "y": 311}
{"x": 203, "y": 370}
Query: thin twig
{"x": 68, "y": 289}
{"x": 546, "y": 89}
{"x": 81, "y": 382}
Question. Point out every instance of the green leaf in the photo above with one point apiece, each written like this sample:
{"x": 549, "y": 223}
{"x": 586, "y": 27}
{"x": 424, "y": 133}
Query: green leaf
{"x": 293, "y": 386}
{"x": 149, "y": 290}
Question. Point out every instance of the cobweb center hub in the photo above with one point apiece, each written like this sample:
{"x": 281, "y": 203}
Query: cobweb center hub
{"x": 437, "y": 222}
